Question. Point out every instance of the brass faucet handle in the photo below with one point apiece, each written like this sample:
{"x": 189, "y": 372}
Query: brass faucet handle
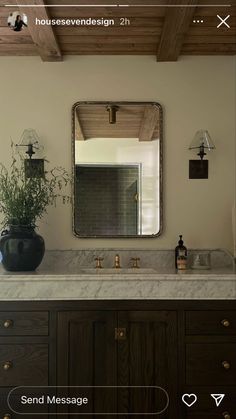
{"x": 117, "y": 262}
{"x": 98, "y": 262}
{"x": 135, "y": 262}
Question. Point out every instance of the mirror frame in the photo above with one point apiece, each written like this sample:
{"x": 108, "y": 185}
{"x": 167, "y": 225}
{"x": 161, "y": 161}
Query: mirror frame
{"x": 160, "y": 184}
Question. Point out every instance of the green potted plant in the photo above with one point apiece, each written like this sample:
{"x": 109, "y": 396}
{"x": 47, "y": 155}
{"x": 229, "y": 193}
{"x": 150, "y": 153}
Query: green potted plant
{"x": 23, "y": 201}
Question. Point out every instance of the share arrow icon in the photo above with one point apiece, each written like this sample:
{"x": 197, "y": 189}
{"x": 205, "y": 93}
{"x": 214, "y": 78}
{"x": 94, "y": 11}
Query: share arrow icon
{"x": 218, "y": 398}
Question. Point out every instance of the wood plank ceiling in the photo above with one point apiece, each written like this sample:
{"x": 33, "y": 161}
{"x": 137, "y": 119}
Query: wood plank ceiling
{"x": 166, "y": 32}
{"x": 132, "y": 121}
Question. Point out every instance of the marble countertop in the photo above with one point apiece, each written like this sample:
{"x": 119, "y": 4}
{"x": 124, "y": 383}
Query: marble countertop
{"x": 108, "y": 284}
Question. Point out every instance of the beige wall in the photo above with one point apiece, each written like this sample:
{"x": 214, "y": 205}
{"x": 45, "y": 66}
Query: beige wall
{"x": 196, "y": 92}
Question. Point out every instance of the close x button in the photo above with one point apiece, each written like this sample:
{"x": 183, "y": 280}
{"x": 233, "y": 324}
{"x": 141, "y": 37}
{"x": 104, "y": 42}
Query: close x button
{"x": 223, "y": 21}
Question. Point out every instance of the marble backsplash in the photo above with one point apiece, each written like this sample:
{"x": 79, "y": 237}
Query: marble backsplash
{"x": 61, "y": 277}
{"x": 156, "y": 259}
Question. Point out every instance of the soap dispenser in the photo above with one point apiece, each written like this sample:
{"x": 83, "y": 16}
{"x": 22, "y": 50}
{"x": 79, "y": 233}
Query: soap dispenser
{"x": 180, "y": 255}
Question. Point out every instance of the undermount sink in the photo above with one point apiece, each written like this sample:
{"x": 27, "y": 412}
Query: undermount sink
{"x": 110, "y": 271}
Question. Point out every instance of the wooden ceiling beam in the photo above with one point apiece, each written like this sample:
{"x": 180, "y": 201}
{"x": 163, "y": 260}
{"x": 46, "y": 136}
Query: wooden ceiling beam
{"x": 176, "y": 25}
{"x": 42, "y": 36}
{"x": 79, "y": 131}
{"x": 149, "y": 123}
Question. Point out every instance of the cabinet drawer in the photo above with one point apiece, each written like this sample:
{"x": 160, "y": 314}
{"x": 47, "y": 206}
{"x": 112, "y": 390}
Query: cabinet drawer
{"x": 210, "y": 322}
{"x": 211, "y": 364}
{"x": 22, "y": 365}
{"x": 23, "y": 323}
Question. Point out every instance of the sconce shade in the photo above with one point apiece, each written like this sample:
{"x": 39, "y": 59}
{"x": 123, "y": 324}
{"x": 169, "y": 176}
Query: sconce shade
{"x": 202, "y": 138}
{"x": 30, "y": 140}
{"x": 29, "y": 136}
{"x": 202, "y": 141}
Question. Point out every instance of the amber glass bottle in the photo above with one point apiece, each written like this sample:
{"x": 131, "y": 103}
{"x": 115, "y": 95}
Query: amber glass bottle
{"x": 181, "y": 253}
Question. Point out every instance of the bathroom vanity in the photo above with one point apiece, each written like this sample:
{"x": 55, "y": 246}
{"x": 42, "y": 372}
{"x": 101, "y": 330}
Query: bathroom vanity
{"x": 108, "y": 328}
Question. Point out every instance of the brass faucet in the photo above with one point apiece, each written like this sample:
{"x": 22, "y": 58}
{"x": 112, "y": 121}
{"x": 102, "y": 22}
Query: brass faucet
{"x": 117, "y": 262}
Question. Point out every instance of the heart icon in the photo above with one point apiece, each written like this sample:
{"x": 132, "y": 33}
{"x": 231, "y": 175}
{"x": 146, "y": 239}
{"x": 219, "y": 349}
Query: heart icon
{"x": 189, "y": 399}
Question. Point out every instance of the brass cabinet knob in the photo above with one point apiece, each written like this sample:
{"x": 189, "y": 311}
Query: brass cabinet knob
{"x": 226, "y": 415}
{"x": 7, "y": 323}
{"x": 7, "y": 365}
{"x": 226, "y": 365}
{"x": 225, "y": 323}
{"x": 120, "y": 333}
{"x": 7, "y": 416}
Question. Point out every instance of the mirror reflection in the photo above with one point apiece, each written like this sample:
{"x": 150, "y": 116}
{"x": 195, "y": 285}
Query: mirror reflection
{"x": 117, "y": 151}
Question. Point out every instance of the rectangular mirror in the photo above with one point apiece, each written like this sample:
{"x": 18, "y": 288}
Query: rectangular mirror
{"x": 117, "y": 168}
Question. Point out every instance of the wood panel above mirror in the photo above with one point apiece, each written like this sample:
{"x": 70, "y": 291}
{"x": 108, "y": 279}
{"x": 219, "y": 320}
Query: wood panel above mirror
{"x": 132, "y": 121}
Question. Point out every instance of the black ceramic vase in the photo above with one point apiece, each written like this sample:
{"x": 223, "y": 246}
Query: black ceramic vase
{"x": 22, "y": 248}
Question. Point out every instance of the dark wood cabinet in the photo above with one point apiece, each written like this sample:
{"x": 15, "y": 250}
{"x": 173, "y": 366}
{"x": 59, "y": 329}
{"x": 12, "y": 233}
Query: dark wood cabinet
{"x": 87, "y": 357}
{"x": 25, "y": 346}
{"x": 121, "y": 353}
{"x": 128, "y": 349}
{"x": 147, "y": 357}
{"x": 210, "y": 360}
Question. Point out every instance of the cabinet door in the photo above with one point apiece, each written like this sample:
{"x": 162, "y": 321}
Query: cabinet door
{"x": 87, "y": 357}
{"x": 147, "y": 356}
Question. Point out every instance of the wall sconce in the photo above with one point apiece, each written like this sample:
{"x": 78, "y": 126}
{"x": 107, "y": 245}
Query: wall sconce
{"x": 112, "y": 109}
{"x": 198, "y": 169}
{"x": 33, "y": 167}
